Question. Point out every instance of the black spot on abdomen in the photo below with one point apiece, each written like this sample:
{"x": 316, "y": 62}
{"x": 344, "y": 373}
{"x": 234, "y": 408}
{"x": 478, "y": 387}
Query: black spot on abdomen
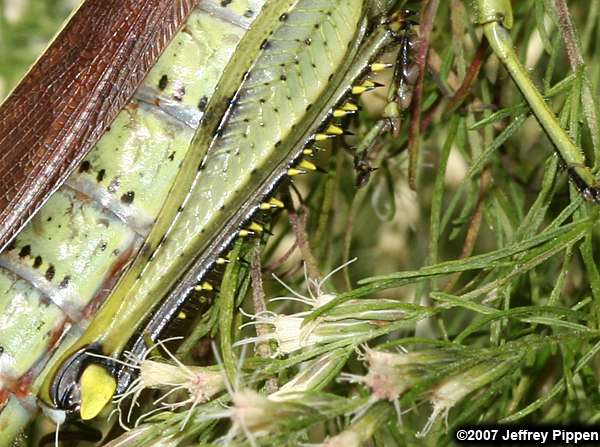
{"x": 65, "y": 282}
{"x": 164, "y": 81}
{"x": 25, "y": 251}
{"x": 128, "y": 197}
{"x": 203, "y": 103}
{"x": 49, "y": 275}
{"x": 85, "y": 166}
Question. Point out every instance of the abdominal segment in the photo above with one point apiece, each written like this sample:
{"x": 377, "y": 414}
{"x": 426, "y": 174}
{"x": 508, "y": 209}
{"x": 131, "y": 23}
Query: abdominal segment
{"x": 58, "y": 271}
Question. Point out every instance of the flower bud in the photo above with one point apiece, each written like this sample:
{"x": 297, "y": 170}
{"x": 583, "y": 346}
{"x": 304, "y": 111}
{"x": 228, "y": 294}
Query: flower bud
{"x": 452, "y": 390}
{"x": 360, "y": 431}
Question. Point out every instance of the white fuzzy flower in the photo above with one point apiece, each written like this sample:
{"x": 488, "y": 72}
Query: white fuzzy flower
{"x": 196, "y": 384}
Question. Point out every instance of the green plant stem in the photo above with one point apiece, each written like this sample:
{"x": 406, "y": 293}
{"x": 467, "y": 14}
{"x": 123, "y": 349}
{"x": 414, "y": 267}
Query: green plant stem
{"x": 226, "y": 315}
{"x": 502, "y": 45}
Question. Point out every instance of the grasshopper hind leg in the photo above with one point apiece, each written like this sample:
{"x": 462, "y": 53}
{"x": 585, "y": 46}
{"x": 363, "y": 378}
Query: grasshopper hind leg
{"x": 590, "y": 192}
{"x": 85, "y": 384}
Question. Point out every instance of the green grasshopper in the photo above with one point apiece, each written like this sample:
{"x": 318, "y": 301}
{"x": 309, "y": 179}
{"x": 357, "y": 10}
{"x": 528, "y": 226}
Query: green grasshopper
{"x": 58, "y": 270}
{"x": 177, "y": 176}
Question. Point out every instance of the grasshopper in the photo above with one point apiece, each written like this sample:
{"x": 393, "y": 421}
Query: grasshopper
{"x": 240, "y": 94}
{"x": 148, "y": 199}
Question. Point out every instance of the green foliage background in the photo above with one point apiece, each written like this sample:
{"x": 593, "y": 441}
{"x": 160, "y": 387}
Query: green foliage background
{"x": 496, "y": 249}
{"x": 26, "y": 26}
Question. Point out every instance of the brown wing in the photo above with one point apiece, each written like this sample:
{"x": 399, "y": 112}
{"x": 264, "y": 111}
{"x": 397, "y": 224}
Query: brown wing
{"x": 73, "y": 92}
